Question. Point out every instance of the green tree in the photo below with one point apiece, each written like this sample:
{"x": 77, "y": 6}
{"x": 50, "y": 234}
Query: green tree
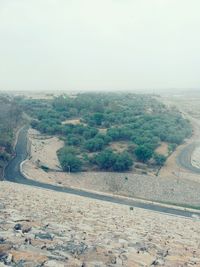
{"x": 114, "y": 133}
{"x": 143, "y": 153}
{"x": 97, "y": 118}
{"x": 105, "y": 159}
{"x": 159, "y": 159}
{"x": 94, "y": 144}
{"x": 123, "y": 162}
{"x": 74, "y": 140}
{"x": 89, "y": 133}
{"x": 69, "y": 161}
{"x": 4, "y": 156}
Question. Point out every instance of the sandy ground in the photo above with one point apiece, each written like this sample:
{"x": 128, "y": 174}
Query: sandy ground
{"x": 43, "y": 150}
{"x": 172, "y": 169}
{"x": 74, "y": 121}
{"x": 118, "y": 146}
{"x": 41, "y": 227}
{"x": 162, "y": 149}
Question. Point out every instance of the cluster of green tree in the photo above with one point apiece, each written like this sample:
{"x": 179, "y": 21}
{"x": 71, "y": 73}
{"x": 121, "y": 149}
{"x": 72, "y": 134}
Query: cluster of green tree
{"x": 69, "y": 161}
{"x": 105, "y": 160}
{"x": 10, "y": 115}
{"x": 95, "y": 108}
{"x": 140, "y": 120}
{"x": 109, "y": 160}
{"x": 152, "y": 128}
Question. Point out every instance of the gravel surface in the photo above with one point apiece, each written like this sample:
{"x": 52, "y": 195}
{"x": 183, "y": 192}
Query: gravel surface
{"x": 43, "y": 228}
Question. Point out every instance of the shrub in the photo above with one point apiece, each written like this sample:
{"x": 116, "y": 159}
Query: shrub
{"x": 106, "y": 159}
{"x": 94, "y": 144}
{"x": 69, "y": 161}
{"x": 143, "y": 153}
{"x": 159, "y": 159}
{"x": 123, "y": 162}
{"x": 73, "y": 140}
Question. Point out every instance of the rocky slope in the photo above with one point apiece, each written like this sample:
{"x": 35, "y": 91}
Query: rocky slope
{"x": 44, "y": 228}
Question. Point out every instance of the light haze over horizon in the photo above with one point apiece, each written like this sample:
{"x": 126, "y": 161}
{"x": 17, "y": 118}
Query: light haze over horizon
{"x": 99, "y": 45}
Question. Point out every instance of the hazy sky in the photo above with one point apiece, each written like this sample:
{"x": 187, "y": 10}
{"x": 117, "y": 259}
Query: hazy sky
{"x": 99, "y": 44}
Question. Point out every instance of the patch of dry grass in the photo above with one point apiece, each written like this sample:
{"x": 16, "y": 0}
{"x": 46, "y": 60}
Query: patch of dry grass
{"x": 73, "y": 121}
{"x": 162, "y": 149}
{"x": 119, "y": 146}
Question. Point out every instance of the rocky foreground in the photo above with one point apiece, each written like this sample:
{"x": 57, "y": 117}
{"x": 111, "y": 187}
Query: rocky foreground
{"x": 44, "y": 228}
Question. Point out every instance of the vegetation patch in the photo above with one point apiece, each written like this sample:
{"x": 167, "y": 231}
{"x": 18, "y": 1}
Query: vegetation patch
{"x": 10, "y": 116}
{"x": 109, "y": 131}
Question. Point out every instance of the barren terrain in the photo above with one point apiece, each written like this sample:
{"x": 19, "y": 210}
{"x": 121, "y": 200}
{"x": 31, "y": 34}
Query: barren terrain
{"x": 41, "y": 227}
{"x": 73, "y": 121}
{"x": 43, "y": 150}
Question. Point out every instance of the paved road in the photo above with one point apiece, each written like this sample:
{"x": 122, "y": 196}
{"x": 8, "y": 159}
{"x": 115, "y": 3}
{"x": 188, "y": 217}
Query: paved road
{"x": 184, "y": 158}
{"x": 13, "y": 174}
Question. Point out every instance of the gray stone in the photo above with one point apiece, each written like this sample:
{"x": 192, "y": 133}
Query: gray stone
{"x": 159, "y": 262}
{"x": 9, "y": 258}
{"x": 18, "y": 227}
{"x": 26, "y": 229}
{"x": 2, "y": 240}
{"x": 53, "y": 263}
{"x": 43, "y": 236}
{"x": 2, "y": 206}
{"x": 73, "y": 248}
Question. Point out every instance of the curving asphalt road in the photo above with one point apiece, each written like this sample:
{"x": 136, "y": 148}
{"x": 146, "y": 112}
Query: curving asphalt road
{"x": 184, "y": 158}
{"x": 13, "y": 174}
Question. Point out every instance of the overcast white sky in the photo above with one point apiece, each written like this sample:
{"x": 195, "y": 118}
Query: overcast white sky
{"x": 99, "y": 44}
